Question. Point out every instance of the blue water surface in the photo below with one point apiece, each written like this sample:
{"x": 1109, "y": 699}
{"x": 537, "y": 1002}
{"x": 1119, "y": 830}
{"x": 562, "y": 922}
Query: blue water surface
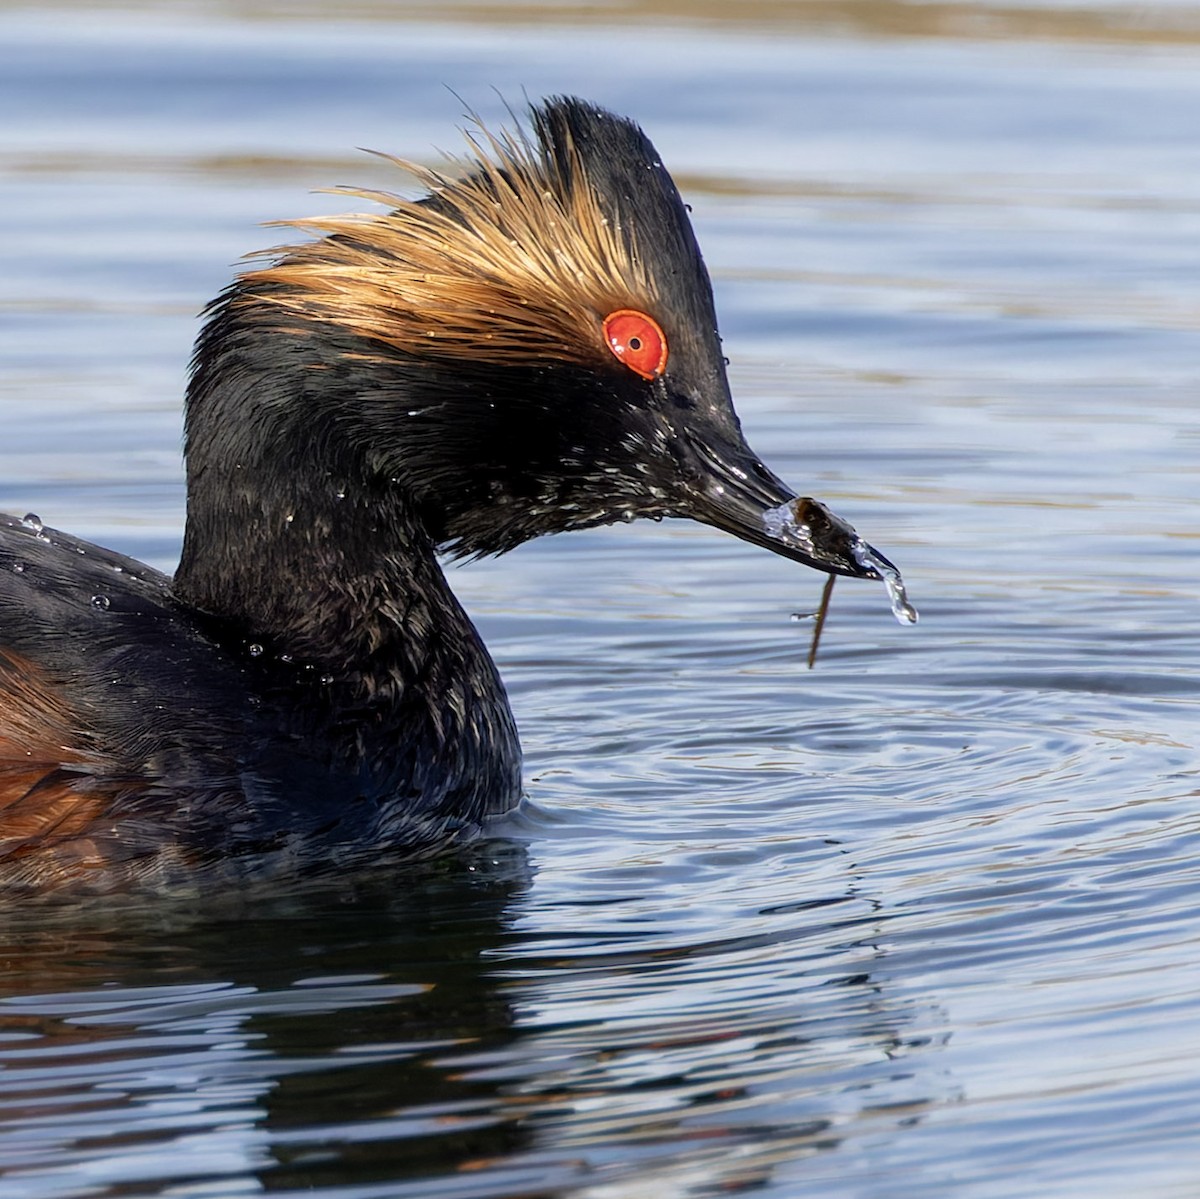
{"x": 921, "y": 921}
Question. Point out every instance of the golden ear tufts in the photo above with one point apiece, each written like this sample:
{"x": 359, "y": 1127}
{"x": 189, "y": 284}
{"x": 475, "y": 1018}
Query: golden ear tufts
{"x": 519, "y": 258}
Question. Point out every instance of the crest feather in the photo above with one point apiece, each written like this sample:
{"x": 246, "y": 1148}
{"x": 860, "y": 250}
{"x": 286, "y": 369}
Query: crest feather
{"x": 519, "y": 257}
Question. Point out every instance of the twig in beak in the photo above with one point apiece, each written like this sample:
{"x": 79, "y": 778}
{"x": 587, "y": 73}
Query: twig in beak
{"x": 822, "y": 611}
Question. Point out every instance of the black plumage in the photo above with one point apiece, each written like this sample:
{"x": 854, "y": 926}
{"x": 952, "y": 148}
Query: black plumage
{"x": 442, "y": 375}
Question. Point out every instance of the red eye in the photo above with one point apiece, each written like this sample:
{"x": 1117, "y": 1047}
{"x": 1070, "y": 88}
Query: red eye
{"x": 636, "y": 340}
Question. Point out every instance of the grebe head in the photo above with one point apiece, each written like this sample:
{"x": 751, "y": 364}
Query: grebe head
{"x": 529, "y": 348}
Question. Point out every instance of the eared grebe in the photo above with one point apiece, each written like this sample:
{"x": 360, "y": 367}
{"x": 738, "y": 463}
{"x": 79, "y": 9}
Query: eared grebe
{"x": 527, "y": 349}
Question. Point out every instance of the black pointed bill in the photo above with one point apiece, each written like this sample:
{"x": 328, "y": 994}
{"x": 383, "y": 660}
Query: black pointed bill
{"x": 736, "y": 493}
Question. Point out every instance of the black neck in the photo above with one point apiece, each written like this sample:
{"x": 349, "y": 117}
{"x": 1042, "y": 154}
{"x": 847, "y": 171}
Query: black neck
{"x": 321, "y": 575}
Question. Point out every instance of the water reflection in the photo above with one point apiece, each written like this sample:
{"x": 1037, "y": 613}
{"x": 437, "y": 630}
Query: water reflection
{"x": 921, "y": 920}
{"x": 713, "y": 1065}
{"x": 290, "y": 1035}
{"x": 413, "y": 1034}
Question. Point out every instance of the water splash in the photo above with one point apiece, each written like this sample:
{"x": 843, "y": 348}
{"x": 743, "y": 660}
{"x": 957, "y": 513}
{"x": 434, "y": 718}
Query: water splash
{"x": 864, "y": 555}
{"x": 785, "y": 524}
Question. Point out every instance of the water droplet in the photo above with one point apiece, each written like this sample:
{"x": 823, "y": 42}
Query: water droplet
{"x": 902, "y": 610}
{"x": 285, "y": 657}
{"x": 19, "y": 567}
{"x": 781, "y": 523}
{"x": 254, "y": 649}
{"x": 785, "y": 524}
{"x": 327, "y": 679}
{"x": 31, "y": 520}
{"x": 101, "y": 602}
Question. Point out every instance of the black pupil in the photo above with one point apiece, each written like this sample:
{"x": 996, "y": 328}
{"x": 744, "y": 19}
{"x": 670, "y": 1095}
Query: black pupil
{"x": 635, "y": 343}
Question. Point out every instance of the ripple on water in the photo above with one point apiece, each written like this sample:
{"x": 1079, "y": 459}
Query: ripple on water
{"x": 919, "y": 920}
